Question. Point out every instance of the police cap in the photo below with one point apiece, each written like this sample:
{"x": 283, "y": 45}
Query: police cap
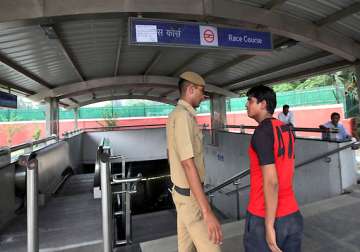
{"x": 193, "y": 78}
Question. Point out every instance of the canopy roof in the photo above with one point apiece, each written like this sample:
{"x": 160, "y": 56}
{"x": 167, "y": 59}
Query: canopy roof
{"x": 78, "y": 51}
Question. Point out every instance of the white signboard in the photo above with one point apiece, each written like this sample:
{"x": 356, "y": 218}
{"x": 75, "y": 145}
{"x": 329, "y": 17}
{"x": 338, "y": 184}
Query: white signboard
{"x": 208, "y": 36}
{"x": 146, "y": 33}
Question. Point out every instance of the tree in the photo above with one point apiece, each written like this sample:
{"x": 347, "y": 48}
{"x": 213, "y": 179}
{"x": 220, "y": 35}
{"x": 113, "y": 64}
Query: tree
{"x": 312, "y": 82}
{"x": 348, "y": 79}
{"x": 11, "y": 129}
{"x": 109, "y": 117}
{"x": 37, "y": 134}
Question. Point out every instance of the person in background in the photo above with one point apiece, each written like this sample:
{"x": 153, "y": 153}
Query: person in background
{"x": 342, "y": 134}
{"x": 287, "y": 116}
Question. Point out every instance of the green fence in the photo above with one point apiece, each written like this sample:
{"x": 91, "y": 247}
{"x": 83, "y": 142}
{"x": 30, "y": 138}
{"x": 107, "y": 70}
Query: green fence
{"x": 310, "y": 97}
{"x": 8, "y": 115}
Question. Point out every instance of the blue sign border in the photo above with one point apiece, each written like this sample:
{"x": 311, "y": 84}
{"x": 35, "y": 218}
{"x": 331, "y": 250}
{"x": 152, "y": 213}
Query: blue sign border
{"x": 187, "y": 34}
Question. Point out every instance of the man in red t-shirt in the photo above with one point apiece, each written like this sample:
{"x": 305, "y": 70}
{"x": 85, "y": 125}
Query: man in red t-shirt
{"x": 273, "y": 221}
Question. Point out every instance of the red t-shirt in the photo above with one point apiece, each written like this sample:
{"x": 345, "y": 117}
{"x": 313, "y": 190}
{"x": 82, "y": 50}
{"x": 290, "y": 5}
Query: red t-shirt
{"x": 272, "y": 143}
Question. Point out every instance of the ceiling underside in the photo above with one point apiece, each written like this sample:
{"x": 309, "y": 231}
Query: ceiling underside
{"x": 78, "y": 52}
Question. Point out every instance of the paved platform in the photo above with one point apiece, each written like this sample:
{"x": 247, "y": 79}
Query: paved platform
{"x": 71, "y": 222}
{"x": 330, "y": 225}
{"x": 70, "y": 219}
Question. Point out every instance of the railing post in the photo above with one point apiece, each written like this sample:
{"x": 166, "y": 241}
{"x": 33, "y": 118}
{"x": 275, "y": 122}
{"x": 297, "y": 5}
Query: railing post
{"x": 128, "y": 215}
{"x": 124, "y": 196}
{"x": 32, "y": 205}
{"x": 237, "y": 183}
{"x": 211, "y": 198}
{"x": 29, "y": 149}
{"x": 242, "y": 129}
{"x": 106, "y": 199}
{"x": 128, "y": 231}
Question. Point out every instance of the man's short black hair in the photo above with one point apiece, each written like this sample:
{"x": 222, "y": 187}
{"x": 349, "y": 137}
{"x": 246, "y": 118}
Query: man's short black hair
{"x": 286, "y": 106}
{"x": 334, "y": 114}
{"x": 264, "y": 93}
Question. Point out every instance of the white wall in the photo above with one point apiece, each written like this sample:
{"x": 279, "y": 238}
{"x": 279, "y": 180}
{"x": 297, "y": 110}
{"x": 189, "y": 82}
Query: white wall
{"x": 319, "y": 180}
{"x": 136, "y": 145}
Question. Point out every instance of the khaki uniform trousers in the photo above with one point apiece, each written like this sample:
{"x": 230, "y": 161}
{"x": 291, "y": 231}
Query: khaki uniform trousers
{"x": 191, "y": 228}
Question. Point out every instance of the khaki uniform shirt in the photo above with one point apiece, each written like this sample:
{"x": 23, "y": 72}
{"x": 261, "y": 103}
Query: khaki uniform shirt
{"x": 184, "y": 141}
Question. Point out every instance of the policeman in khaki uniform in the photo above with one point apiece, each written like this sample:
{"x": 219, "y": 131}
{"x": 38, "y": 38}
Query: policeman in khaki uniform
{"x": 198, "y": 228}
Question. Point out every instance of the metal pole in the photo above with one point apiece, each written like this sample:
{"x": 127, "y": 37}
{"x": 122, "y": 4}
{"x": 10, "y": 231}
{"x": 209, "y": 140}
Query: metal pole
{"x": 211, "y": 199}
{"x": 123, "y": 197}
{"x": 106, "y": 205}
{"x": 32, "y": 206}
{"x": 123, "y": 170}
{"x": 237, "y": 183}
{"x": 76, "y": 118}
{"x": 128, "y": 215}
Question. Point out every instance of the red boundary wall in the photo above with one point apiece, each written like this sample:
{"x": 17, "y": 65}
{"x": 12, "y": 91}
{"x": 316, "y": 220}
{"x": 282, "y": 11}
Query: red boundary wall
{"x": 21, "y": 132}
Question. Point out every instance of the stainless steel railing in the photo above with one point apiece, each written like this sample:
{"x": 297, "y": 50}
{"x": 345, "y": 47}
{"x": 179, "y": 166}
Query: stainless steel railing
{"x": 128, "y": 187}
{"x": 318, "y": 130}
{"x": 26, "y": 148}
{"x": 68, "y": 134}
{"x": 235, "y": 180}
{"x": 229, "y": 181}
{"x": 30, "y": 162}
{"x": 106, "y": 209}
{"x": 72, "y": 133}
{"x": 33, "y": 143}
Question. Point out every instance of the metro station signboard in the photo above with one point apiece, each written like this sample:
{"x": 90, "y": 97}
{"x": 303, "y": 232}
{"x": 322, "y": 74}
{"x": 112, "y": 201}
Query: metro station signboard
{"x": 8, "y": 100}
{"x": 188, "y": 34}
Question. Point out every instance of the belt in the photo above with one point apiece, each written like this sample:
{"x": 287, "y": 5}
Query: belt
{"x": 182, "y": 191}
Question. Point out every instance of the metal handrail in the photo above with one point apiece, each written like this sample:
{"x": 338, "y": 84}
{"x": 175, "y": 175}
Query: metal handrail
{"x": 328, "y": 130}
{"x": 128, "y": 187}
{"x": 123, "y": 127}
{"x": 354, "y": 146}
{"x": 29, "y": 144}
{"x": 239, "y": 126}
{"x": 239, "y": 188}
{"x": 106, "y": 209}
{"x": 71, "y": 133}
{"x": 139, "y": 178}
{"x": 32, "y": 218}
{"x": 229, "y": 181}
{"x": 117, "y": 181}
{"x": 132, "y": 126}
{"x": 236, "y": 177}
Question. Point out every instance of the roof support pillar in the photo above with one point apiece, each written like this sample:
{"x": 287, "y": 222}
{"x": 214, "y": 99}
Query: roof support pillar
{"x": 76, "y": 118}
{"x": 52, "y": 116}
{"x": 218, "y": 115}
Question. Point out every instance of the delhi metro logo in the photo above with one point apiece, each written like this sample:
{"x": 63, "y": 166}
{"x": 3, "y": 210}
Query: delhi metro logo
{"x": 208, "y": 35}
